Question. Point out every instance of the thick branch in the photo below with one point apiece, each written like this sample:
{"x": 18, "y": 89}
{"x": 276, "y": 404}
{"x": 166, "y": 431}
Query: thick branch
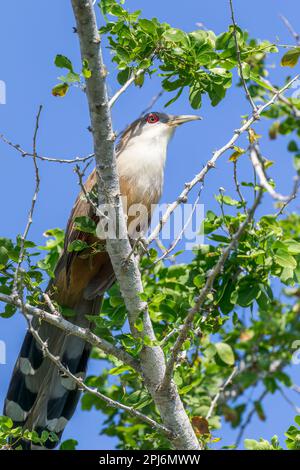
{"x": 125, "y": 266}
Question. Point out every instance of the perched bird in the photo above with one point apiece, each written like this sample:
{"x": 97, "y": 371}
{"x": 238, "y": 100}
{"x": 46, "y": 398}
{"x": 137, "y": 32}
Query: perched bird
{"x": 39, "y": 397}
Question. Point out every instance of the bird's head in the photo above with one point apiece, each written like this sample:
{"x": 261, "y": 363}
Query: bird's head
{"x": 153, "y": 128}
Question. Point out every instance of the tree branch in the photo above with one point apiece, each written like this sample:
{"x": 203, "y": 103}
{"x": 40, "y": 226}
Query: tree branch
{"x": 126, "y": 269}
{"x": 294, "y": 33}
{"x": 221, "y": 390}
{"x": 57, "y": 320}
{"x": 93, "y": 391}
{"x": 31, "y": 210}
{"x": 238, "y": 55}
{"x": 124, "y": 87}
{"x": 187, "y": 325}
{"x": 248, "y": 419}
{"x": 258, "y": 167}
{"x": 216, "y": 155}
{"x": 24, "y": 153}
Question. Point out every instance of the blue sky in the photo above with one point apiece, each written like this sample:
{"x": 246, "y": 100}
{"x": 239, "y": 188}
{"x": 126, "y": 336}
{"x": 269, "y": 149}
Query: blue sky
{"x": 31, "y": 34}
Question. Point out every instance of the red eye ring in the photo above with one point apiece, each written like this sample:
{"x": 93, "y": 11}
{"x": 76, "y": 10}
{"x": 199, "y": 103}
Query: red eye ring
{"x": 152, "y": 118}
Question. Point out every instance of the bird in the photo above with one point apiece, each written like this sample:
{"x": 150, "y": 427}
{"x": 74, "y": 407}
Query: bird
{"x": 39, "y": 396}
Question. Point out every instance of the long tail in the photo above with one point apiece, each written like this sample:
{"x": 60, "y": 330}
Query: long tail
{"x": 39, "y": 396}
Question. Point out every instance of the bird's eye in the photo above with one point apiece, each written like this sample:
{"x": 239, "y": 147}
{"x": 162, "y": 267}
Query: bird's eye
{"x": 152, "y": 118}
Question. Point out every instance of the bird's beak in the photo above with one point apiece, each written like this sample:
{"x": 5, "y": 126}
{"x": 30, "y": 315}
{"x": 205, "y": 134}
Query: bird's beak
{"x": 181, "y": 119}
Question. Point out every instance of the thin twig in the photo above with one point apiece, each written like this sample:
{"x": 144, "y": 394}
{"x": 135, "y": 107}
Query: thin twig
{"x": 170, "y": 335}
{"x": 237, "y": 185}
{"x": 152, "y": 103}
{"x": 81, "y": 174}
{"x": 221, "y": 390}
{"x": 124, "y": 87}
{"x": 256, "y": 160}
{"x": 248, "y": 419}
{"x": 24, "y": 153}
{"x": 15, "y": 289}
{"x": 295, "y": 111}
{"x": 178, "y": 238}
{"x": 294, "y": 33}
{"x": 238, "y": 55}
{"x": 289, "y": 401}
{"x": 292, "y": 196}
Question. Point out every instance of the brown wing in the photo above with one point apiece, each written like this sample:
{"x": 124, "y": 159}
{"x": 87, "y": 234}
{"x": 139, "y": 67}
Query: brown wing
{"x": 84, "y": 274}
{"x": 81, "y": 208}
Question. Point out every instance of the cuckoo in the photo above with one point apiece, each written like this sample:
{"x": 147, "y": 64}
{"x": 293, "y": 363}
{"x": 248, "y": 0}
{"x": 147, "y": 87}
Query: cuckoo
{"x": 39, "y": 397}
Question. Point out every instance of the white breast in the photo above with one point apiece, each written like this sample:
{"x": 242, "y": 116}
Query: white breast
{"x": 142, "y": 161}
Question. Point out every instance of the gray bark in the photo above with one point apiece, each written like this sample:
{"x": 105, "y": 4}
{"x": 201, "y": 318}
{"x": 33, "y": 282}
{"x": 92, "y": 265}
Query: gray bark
{"x": 125, "y": 265}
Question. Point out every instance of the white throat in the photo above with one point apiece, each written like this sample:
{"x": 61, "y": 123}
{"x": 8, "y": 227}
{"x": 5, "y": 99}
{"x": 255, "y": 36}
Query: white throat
{"x": 143, "y": 159}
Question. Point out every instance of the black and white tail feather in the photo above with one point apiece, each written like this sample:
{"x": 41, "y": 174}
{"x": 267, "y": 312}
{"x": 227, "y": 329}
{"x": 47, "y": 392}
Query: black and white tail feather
{"x": 39, "y": 397}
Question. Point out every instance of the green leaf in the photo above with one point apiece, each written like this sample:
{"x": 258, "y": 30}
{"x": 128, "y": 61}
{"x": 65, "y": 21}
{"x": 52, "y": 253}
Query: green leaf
{"x": 227, "y": 200}
{"x": 119, "y": 370}
{"x": 246, "y": 293}
{"x": 9, "y": 311}
{"x": 3, "y": 255}
{"x": 117, "y": 10}
{"x": 291, "y": 57}
{"x": 69, "y": 444}
{"x": 293, "y": 246}
{"x": 292, "y": 146}
{"x": 124, "y": 75}
{"x": 70, "y": 78}
{"x": 195, "y": 97}
{"x": 77, "y": 245}
{"x": 284, "y": 259}
{"x": 210, "y": 351}
{"x": 63, "y": 62}
{"x": 86, "y": 72}
{"x": 225, "y": 353}
{"x": 60, "y": 89}
{"x": 199, "y": 280}
{"x": 67, "y": 312}
{"x": 6, "y": 421}
{"x": 260, "y": 81}
{"x": 296, "y": 162}
{"x": 297, "y": 420}
{"x": 148, "y": 26}
{"x": 85, "y": 224}
{"x": 238, "y": 151}
{"x": 175, "y": 35}
{"x": 262, "y": 444}
{"x": 175, "y": 98}
{"x": 139, "y": 325}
